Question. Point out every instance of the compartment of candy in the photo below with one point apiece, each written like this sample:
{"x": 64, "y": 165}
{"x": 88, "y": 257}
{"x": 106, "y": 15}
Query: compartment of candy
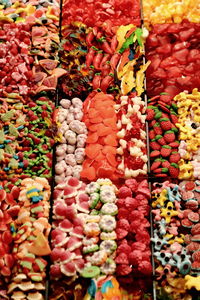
{"x": 174, "y": 53}
{"x": 24, "y": 234}
{"x": 175, "y": 241}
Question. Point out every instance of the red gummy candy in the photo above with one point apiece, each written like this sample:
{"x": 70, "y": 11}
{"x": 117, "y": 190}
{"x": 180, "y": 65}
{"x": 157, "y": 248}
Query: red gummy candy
{"x": 135, "y": 257}
{"x": 131, "y": 203}
{"x": 121, "y": 233}
{"x": 124, "y": 248}
{"x": 132, "y": 184}
{"x": 123, "y": 224}
{"x": 124, "y": 192}
{"x": 123, "y": 213}
{"x": 122, "y": 259}
{"x": 123, "y": 270}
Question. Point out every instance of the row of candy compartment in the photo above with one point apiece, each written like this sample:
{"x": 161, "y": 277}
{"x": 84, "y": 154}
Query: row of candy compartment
{"x": 175, "y": 234}
{"x": 29, "y": 74}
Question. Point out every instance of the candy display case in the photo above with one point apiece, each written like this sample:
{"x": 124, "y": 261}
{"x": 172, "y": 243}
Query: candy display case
{"x": 99, "y": 150}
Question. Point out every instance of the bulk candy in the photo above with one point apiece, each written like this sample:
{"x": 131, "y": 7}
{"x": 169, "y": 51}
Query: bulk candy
{"x": 175, "y": 59}
{"x": 99, "y": 242}
{"x": 176, "y": 236}
{"x": 101, "y": 142}
{"x": 133, "y": 252}
{"x": 97, "y": 13}
{"x": 30, "y": 238}
{"x": 163, "y": 137}
{"x": 72, "y": 135}
{"x": 188, "y": 124}
{"x": 15, "y": 60}
{"x": 131, "y": 153}
{"x": 168, "y": 11}
{"x": 70, "y": 209}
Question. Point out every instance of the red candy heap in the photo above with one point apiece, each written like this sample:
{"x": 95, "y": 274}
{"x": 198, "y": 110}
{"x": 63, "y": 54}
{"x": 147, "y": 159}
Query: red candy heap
{"x": 15, "y": 61}
{"x": 133, "y": 252}
{"x": 175, "y": 58}
{"x": 95, "y": 13}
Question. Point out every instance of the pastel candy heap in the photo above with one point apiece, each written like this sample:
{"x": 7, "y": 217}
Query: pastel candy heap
{"x": 176, "y": 236}
{"x": 101, "y": 143}
{"x": 15, "y": 60}
{"x": 99, "y": 243}
{"x": 133, "y": 239}
{"x": 91, "y": 13}
{"x": 174, "y": 55}
{"x": 170, "y": 11}
{"x": 189, "y": 135}
{"x": 31, "y": 240}
{"x": 163, "y": 137}
{"x": 131, "y": 153}
{"x": 72, "y": 135}
{"x": 70, "y": 208}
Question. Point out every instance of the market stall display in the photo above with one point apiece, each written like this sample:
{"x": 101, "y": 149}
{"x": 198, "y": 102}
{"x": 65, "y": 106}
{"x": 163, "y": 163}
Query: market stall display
{"x": 99, "y": 123}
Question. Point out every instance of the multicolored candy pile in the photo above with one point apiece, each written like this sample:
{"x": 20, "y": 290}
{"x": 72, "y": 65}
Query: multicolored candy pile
{"x": 24, "y": 234}
{"x": 176, "y": 236}
{"x": 99, "y": 243}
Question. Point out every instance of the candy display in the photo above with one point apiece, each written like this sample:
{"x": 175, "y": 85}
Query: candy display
{"x": 15, "y": 60}
{"x": 72, "y": 135}
{"x": 133, "y": 252}
{"x": 163, "y": 137}
{"x": 131, "y": 155}
{"x": 188, "y": 124}
{"x": 99, "y": 123}
{"x": 70, "y": 208}
{"x": 23, "y": 127}
{"x": 99, "y": 243}
{"x": 24, "y": 237}
{"x": 29, "y": 12}
{"x": 174, "y": 54}
{"x": 101, "y": 142}
{"x": 102, "y": 59}
{"x": 176, "y": 236}
{"x": 170, "y": 11}
{"x": 9, "y": 211}
{"x": 72, "y": 54}
{"x": 12, "y": 123}
{"x": 40, "y": 133}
